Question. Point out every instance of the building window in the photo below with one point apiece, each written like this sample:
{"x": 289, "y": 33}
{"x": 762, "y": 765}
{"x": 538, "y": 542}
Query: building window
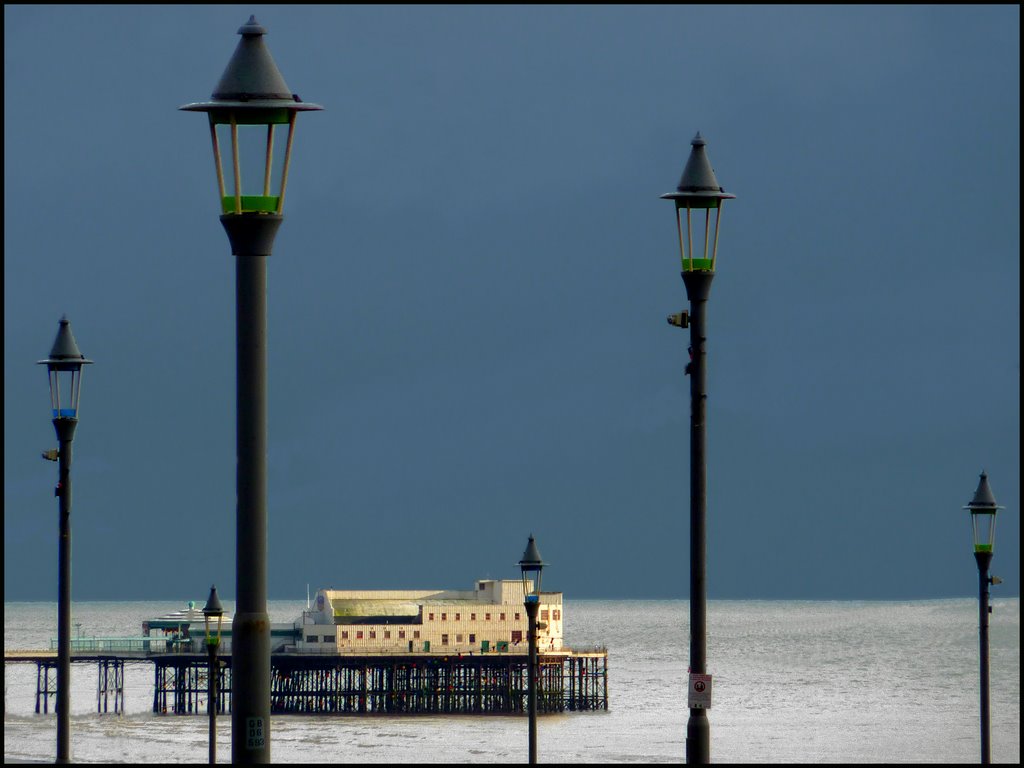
{"x": 472, "y": 638}
{"x": 344, "y": 635}
{"x": 557, "y": 615}
{"x": 415, "y": 634}
{"x": 458, "y": 638}
{"x": 328, "y": 638}
{"x": 444, "y": 617}
{"x": 517, "y": 615}
{"x": 472, "y": 617}
{"x": 401, "y": 634}
{"x": 359, "y": 635}
{"x": 503, "y": 617}
{"x": 444, "y": 639}
{"x": 481, "y": 586}
{"x": 387, "y": 634}
{"x": 431, "y": 617}
{"x": 458, "y": 616}
{"x": 373, "y": 634}
{"x": 487, "y": 617}
{"x": 517, "y": 635}
{"x": 312, "y": 639}
{"x": 543, "y": 615}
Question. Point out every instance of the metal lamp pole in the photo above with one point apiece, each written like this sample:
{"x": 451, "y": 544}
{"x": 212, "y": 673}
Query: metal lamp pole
{"x": 251, "y": 94}
{"x": 531, "y": 614}
{"x": 983, "y": 510}
{"x": 64, "y": 369}
{"x": 698, "y": 191}
{"x": 213, "y": 611}
{"x": 532, "y": 566}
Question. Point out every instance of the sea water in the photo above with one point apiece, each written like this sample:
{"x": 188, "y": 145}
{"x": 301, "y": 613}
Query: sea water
{"x": 793, "y": 682}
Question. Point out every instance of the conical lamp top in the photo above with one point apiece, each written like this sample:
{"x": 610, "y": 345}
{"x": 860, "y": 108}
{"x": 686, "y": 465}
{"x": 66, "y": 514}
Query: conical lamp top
{"x": 64, "y": 354}
{"x": 983, "y": 499}
{"x": 698, "y": 179}
{"x": 251, "y": 79}
{"x": 251, "y": 73}
{"x": 531, "y": 556}
{"x": 213, "y": 606}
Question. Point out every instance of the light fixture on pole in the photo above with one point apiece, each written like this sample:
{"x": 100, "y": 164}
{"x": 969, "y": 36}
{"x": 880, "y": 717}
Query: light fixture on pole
{"x": 213, "y": 614}
{"x": 64, "y": 370}
{"x": 983, "y": 510}
{"x": 250, "y": 102}
{"x": 532, "y": 567}
{"x": 698, "y": 193}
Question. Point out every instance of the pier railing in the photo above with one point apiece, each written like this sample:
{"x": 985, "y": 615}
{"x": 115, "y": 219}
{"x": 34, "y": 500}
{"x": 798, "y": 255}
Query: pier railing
{"x": 122, "y": 645}
{"x": 433, "y": 652}
{"x": 170, "y": 645}
{"x": 586, "y": 649}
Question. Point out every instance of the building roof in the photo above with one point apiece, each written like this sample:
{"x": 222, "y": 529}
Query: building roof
{"x": 184, "y": 617}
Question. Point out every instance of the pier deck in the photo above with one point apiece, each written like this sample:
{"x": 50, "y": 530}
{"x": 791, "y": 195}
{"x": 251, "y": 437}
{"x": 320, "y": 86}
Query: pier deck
{"x": 333, "y": 683}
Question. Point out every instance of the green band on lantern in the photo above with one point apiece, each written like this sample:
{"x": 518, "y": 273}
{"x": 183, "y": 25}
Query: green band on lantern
{"x": 689, "y": 265}
{"x": 251, "y": 203}
{"x": 250, "y": 116}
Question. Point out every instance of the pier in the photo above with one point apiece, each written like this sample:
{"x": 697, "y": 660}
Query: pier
{"x": 109, "y": 678}
{"x": 339, "y": 683}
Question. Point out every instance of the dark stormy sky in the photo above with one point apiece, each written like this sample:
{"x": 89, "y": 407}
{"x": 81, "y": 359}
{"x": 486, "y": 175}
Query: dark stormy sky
{"x": 467, "y": 298}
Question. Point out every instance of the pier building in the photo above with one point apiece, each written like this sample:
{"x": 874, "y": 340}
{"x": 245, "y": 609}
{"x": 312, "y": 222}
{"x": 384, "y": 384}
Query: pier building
{"x": 490, "y": 618}
{"x": 184, "y": 631}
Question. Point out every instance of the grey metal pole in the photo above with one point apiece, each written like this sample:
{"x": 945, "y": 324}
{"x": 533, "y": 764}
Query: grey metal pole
{"x": 211, "y": 649}
{"x": 252, "y": 237}
{"x": 984, "y": 560}
{"x": 65, "y": 429}
{"x": 251, "y": 92}
{"x": 64, "y": 357}
{"x": 698, "y": 729}
{"x": 531, "y": 614}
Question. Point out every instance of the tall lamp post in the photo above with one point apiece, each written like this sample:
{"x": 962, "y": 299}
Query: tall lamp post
{"x": 64, "y": 369}
{"x": 983, "y": 510}
{"x": 213, "y": 614}
{"x": 249, "y": 102}
{"x": 698, "y": 191}
{"x": 532, "y": 567}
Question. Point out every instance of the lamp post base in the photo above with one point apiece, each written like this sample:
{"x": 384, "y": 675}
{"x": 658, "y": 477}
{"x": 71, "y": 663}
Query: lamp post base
{"x": 698, "y": 738}
{"x": 250, "y": 680}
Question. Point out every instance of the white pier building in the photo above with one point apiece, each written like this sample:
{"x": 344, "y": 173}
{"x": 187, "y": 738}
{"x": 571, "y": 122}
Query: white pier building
{"x": 490, "y": 618}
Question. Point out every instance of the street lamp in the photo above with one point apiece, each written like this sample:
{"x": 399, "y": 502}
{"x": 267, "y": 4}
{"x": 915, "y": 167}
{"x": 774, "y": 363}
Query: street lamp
{"x": 532, "y": 567}
{"x": 250, "y": 101}
{"x": 983, "y": 510}
{"x": 698, "y": 191}
{"x": 64, "y": 369}
{"x": 213, "y": 614}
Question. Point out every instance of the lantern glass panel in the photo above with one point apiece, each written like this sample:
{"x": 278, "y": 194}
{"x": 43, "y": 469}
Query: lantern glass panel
{"x": 531, "y": 584}
{"x": 213, "y": 633}
{"x": 697, "y": 223}
{"x": 984, "y": 528}
{"x": 65, "y": 390}
{"x": 251, "y": 154}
